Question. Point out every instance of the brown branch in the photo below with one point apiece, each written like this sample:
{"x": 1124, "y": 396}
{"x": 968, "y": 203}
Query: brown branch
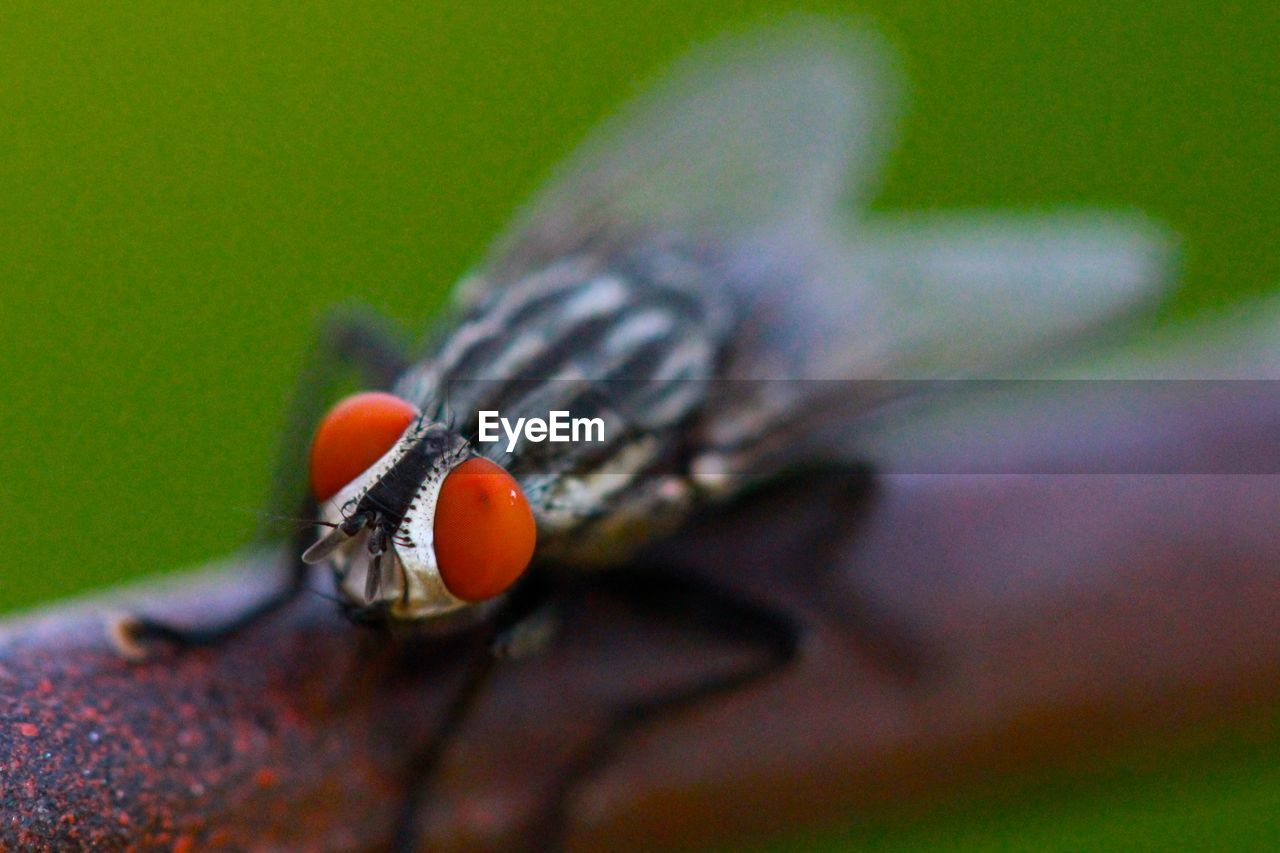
{"x": 1060, "y": 619}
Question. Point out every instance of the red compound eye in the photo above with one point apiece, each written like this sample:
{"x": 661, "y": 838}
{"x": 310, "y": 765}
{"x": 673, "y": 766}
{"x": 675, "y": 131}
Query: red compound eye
{"x": 484, "y": 530}
{"x": 354, "y": 435}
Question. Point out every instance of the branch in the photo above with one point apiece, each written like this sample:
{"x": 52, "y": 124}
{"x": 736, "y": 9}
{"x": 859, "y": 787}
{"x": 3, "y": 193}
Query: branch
{"x": 1062, "y": 619}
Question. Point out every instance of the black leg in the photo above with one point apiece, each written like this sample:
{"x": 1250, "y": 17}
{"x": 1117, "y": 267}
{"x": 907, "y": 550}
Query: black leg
{"x": 824, "y": 507}
{"x": 422, "y": 770}
{"x": 686, "y": 596}
{"x": 361, "y": 339}
{"x": 355, "y": 341}
{"x": 354, "y": 346}
{"x": 511, "y": 632}
{"x": 142, "y": 629}
{"x": 891, "y": 643}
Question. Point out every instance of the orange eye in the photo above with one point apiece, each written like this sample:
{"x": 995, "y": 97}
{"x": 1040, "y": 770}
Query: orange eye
{"x": 354, "y": 435}
{"x": 484, "y": 530}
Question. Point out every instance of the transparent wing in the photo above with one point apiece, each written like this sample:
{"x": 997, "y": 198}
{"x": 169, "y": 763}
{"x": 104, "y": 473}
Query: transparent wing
{"x": 778, "y": 125}
{"x": 850, "y": 314}
{"x": 1183, "y": 375}
{"x": 978, "y": 294}
{"x": 754, "y": 145}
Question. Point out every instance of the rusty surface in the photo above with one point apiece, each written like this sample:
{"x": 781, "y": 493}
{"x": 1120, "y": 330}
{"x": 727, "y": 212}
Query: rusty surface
{"x": 1061, "y": 620}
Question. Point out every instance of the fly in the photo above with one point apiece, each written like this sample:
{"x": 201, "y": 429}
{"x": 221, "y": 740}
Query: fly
{"x": 691, "y": 279}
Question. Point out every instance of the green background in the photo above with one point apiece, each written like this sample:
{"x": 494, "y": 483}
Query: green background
{"x": 186, "y": 188}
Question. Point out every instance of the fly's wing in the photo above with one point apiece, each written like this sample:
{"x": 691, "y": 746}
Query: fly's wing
{"x": 753, "y": 145}
{"x": 775, "y": 126}
{"x": 1163, "y": 388}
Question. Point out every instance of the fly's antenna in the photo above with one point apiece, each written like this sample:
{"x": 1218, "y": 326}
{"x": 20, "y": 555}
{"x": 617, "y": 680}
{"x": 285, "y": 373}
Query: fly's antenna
{"x": 296, "y": 522}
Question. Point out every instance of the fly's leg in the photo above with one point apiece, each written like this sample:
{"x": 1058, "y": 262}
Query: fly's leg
{"x": 666, "y": 593}
{"x": 837, "y": 498}
{"x": 824, "y": 505}
{"x": 422, "y": 769}
{"x": 137, "y": 630}
{"x": 350, "y": 344}
{"x": 354, "y": 346}
{"x": 523, "y": 626}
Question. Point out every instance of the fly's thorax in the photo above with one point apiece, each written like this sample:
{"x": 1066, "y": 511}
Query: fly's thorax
{"x": 629, "y": 330}
{"x": 628, "y": 334}
{"x": 629, "y": 517}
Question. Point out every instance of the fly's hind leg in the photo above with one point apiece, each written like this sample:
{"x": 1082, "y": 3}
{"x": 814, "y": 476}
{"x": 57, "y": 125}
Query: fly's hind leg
{"x": 665, "y": 593}
{"x": 353, "y": 346}
{"x": 825, "y": 507}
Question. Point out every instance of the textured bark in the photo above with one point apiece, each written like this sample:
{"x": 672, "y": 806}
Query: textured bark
{"x": 1059, "y": 621}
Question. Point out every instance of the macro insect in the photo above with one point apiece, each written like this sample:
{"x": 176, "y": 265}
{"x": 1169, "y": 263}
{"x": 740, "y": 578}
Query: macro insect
{"x": 690, "y": 277}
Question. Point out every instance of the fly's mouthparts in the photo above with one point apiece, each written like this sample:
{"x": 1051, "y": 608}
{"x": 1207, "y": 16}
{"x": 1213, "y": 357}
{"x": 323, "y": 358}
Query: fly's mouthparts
{"x": 377, "y": 550}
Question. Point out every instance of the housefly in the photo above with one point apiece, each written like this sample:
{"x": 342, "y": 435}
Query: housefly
{"x": 691, "y": 278}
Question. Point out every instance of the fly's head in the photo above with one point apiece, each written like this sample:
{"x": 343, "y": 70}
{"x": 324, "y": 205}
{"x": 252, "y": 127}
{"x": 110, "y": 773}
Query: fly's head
{"x": 416, "y": 525}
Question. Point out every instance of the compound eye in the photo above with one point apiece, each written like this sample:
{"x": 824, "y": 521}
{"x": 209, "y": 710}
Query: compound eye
{"x": 484, "y": 530}
{"x": 353, "y": 435}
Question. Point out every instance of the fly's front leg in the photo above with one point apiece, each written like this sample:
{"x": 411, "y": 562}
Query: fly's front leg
{"x": 355, "y": 346}
{"x": 132, "y": 633}
{"x": 524, "y": 625}
{"x": 665, "y": 593}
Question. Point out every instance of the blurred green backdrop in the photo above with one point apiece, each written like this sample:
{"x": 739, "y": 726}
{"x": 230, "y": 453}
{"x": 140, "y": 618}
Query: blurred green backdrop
{"x": 187, "y": 187}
